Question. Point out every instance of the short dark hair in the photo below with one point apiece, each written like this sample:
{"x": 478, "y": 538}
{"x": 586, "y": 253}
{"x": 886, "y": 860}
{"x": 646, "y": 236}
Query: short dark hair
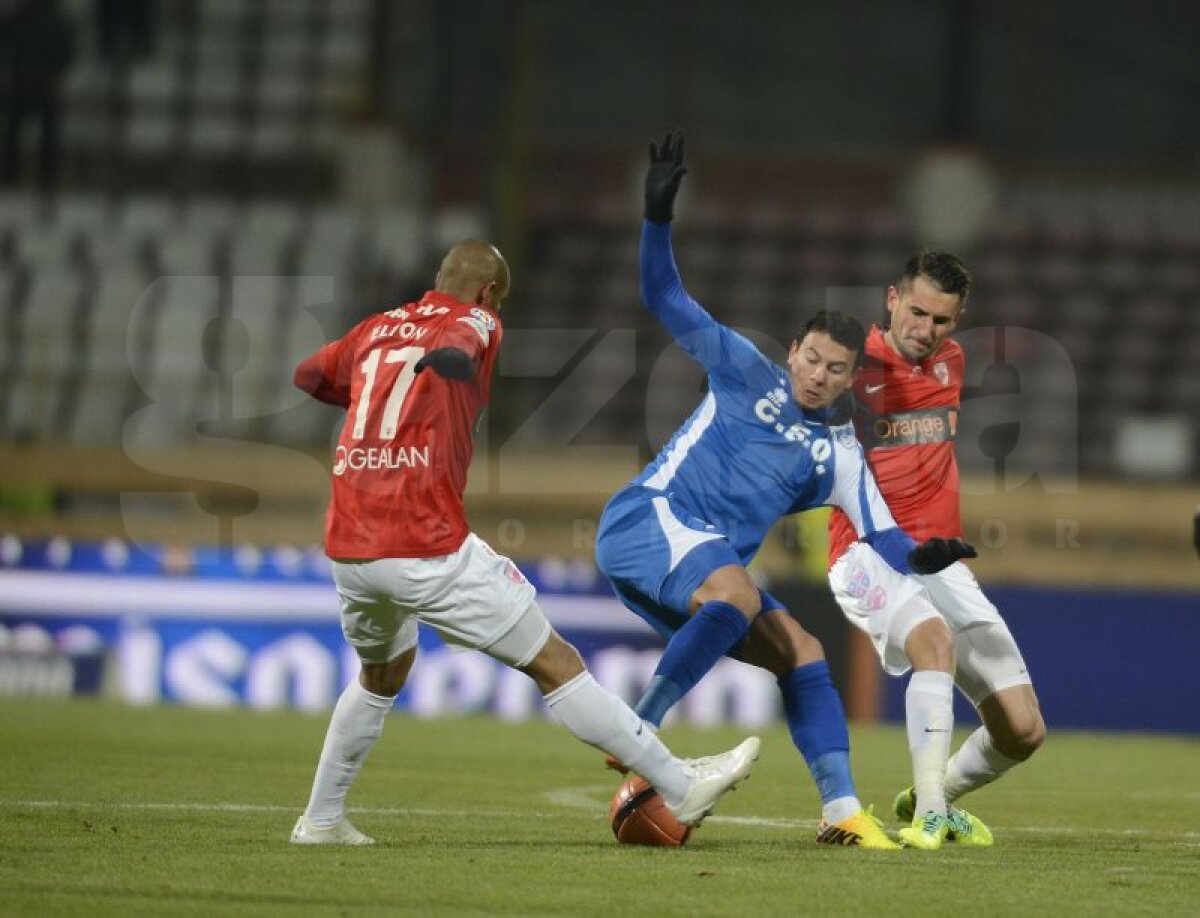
{"x": 841, "y": 327}
{"x": 945, "y": 271}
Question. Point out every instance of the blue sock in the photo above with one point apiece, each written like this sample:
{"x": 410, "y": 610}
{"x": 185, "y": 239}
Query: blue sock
{"x": 817, "y": 722}
{"x": 692, "y": 651}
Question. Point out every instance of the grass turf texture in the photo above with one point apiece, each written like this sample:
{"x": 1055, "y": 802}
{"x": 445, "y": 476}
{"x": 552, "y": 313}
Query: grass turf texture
{"x": 107, "y": 809}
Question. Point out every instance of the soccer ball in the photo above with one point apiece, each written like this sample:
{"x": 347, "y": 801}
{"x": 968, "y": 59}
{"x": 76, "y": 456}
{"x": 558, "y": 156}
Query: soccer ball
{"x": 640, "y": 816}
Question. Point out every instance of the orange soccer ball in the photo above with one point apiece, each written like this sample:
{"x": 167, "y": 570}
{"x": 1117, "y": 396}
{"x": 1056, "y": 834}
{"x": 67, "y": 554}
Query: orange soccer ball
{"x": 640, "y": 817}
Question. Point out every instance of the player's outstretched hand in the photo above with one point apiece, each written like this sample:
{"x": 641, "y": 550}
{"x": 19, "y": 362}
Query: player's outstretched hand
{"x": 448, "y": 363}
{"x": 663, "y": 177}
{"x": 937, "y": 554}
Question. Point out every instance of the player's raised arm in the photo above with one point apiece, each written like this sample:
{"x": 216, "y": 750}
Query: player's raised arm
{"x": 854, "y": 490}
{"x": 703, "y": 338}
{"x": 325, "y": 375}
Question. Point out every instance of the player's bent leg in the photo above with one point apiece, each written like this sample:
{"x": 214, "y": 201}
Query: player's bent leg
{"x": 691, "y": 788}
{"x": 354, "y": 728}
{"x": 356, "y": 724}
{"x": 387, "y": 679}
{"x": 928, "y": 643}
{"x": 816, "y": 721}
{"x": 1014, "y": 719}
{"x": 928, "y": 710}
{"x": 992, "y": 673}
{"x": 722, "y": 608}
{"x": 531, "y": 646}
{"x": 1013, "y": 713}
{"x": 730, "y": 584}
{"x": 987, "y": 658}
{"x": 778, "y": 643}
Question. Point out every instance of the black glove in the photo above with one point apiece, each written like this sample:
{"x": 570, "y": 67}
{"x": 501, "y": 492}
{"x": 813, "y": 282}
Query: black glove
{"x": 448, "y": 363}
{"x": 937, "y": 554}
{"x": 663, "y": 177}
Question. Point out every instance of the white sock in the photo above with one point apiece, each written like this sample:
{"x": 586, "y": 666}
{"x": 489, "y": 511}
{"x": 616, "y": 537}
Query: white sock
{"x": 977, "y": 762}
{"x": 929, "y": 715}
{"x": 355, "y": 726}
{"x": 840, "y": 808}
{"x": 603, "y": 720}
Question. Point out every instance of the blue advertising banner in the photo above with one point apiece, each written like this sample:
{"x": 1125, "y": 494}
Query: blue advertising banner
{"x": 1119, "y": 660}
{"x": 215, "y": 630}
{"x": 247, "y": 626}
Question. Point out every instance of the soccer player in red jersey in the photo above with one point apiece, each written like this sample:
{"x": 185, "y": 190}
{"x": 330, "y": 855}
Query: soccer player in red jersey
{"x": 907, "y": 396}
{"x": 403, "y": 552}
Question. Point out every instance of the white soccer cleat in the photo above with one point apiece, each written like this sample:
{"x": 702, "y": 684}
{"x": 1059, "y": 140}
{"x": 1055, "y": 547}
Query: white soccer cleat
{"x": 712, "y": 776}
{"x": 340, "y": 833}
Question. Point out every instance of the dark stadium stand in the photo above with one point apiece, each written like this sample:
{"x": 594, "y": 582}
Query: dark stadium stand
{"x": 202, "y": 240}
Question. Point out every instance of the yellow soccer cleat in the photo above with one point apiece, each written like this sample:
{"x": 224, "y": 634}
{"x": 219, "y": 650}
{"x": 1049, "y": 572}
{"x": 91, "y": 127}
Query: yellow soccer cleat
{"x": 862, "y": 829}
{"x": 965, "y": 829}
{"x": 905, "y": 805}
{"x": 927, "y": 832}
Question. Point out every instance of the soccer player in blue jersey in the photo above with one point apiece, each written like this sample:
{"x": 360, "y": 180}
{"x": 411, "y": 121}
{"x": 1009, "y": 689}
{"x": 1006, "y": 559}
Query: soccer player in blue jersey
{"x": 675, "y": 542}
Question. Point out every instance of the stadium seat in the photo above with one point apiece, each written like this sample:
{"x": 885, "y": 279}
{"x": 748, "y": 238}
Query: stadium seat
{"x": 50, "y": 345}
{"x": 154, "y": 85}
{"x": 146, "y": 216}
{"x": 329, "y": 238}
{"x": 150, "y": 131}
{"x": 396, "y": 238}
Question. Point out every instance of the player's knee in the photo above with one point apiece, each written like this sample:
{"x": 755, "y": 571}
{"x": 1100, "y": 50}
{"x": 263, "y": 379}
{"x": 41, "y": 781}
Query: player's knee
{"x": 1024, "y": 737}
{"x": 730, "y": 585}
{"x": 556, "y": 664}
{"x": 804, "y": 649}
{"x": 387, "y": 679}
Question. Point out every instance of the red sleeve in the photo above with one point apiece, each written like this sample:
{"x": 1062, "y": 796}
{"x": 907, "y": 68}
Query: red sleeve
{"x": 325, "y": 375}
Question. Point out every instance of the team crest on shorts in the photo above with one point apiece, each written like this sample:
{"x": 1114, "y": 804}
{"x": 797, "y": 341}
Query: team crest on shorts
{"x": 942, "y": 372}
{"x": 875, "y": 600}
{"x": 858, "y": 582}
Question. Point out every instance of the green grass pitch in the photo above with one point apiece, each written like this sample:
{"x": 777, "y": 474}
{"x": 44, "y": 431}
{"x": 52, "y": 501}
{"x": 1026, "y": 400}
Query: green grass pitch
{"x": 111, "y": 810}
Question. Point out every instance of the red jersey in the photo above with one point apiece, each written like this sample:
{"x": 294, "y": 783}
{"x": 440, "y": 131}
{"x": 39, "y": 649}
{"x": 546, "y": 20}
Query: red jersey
{"x": 401, "y": 461}
{"x": 906, "y": 418}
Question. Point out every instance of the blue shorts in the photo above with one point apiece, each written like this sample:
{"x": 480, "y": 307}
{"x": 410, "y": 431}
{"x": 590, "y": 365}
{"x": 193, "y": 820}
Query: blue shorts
{"x": 656, "y": 555}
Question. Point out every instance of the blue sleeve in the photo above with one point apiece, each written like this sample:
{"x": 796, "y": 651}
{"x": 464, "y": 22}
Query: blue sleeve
{"x": 893, "y": 545}
{"x": 704, "y": 339}
{"x": 854, "y": 490}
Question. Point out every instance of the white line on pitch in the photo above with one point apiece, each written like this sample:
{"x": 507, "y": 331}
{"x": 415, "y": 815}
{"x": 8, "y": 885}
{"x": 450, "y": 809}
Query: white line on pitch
{"x": 584, "y": 798}
{"x": 578, "y": 798}
{"x": 245, "y": 808}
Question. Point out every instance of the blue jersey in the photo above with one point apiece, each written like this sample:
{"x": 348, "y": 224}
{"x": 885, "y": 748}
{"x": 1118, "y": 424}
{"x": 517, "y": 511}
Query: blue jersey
{"x": 749, "y": 454}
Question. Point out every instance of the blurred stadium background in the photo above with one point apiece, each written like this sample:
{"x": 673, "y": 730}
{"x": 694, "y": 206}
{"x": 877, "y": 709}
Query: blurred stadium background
{"x": 227, "y": 184}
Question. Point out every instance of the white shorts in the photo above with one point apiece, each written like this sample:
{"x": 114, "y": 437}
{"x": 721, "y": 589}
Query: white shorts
{"x": 988, "y": 660}
{"x": 473, "y": 598}
{"x": 872, "y": 593}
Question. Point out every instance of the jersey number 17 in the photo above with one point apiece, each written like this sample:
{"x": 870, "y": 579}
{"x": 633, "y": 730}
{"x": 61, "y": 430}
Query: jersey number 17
{"x": 408, "y": 358}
